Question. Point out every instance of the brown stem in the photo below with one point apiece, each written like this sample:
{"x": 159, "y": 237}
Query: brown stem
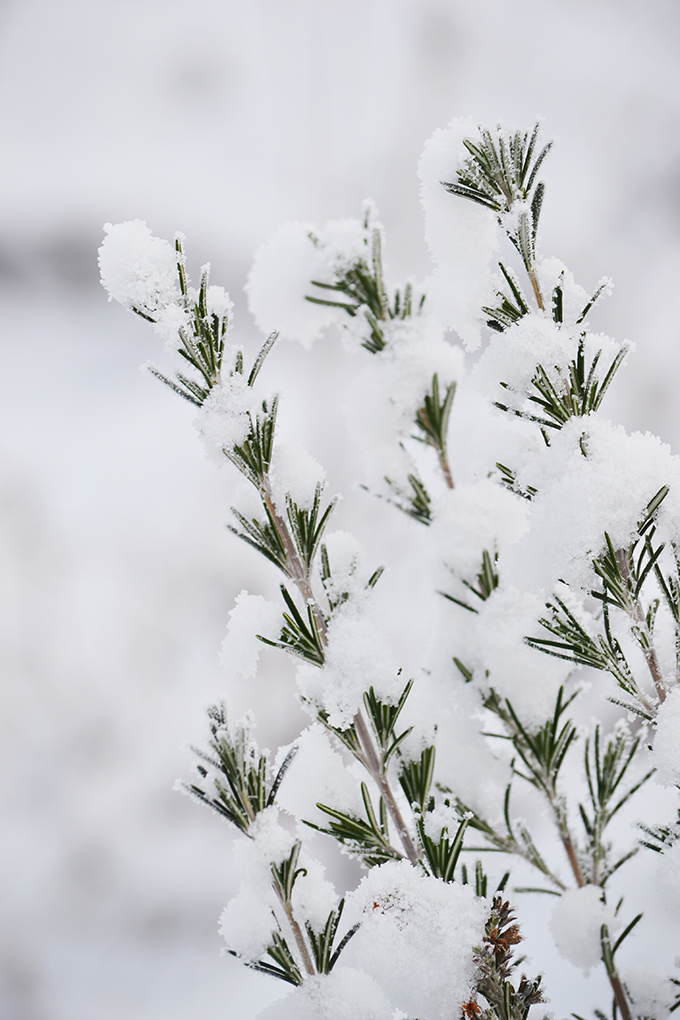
{"x": 537, "y": 289}
{"x": 297, "y": 572}
{"x": 648, "y": 649}
{"x": 620, "y": 995}
{"x": 375, "y": 768}
{"x": 614, "y": 980}
{"x": 446, "y": 470}
{"x": 297, "y": 934}
{"x": 573, "y": 859}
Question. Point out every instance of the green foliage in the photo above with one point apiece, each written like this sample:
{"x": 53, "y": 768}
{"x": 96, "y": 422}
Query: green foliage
{"x": 299, "y": 637}
{"x": 254, "y": 456}
{"x": 414, "y": 503}
{"x": 432, "y": 419}
{"x": 543, "y": 751}
{"x": 284, "y": 967}
{"x": 415, "y": 779}
{"x": 362, "y": 284}
{"x": 500, "y": 174}
{"x": 263, "y": 536}
{"x": 441, "y": 855}
{"x": 495, "y": 966}
{"x": 511, "y": 309}
{"x": 307, "y": 527}
{"x": 203, "y": 347}
{"x": 516, "y": 839}
{"x": 662, "y": 837}
{"x": 606, "y": 764}
{"x": 368, "y": 838}
{"x": 285, "y": 874}
{"x": 508, "y": 478}
{"x": 383, "y": 717}
{"x": 575, "y": 395}
{"x": 575, "y": 645}
{"x": 487, "y": 582}
{"x": 237, "y": 771}
{"x": 325, "y": 958}
{"x": 623, "y": 573}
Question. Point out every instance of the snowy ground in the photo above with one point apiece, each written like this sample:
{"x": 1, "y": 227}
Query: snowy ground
{"x": 116, "y": 573}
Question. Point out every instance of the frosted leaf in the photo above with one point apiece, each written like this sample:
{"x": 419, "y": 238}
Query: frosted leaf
{"x": 317, "y": 774}
{"x": 416, "y": 938}
{"x": 224, "y": 419}
{"x": 651, "y": 992}
{"x": 512, "y": 358}
{"x": 294, "y": 471}
{"x": 344, "y": 994}
{"x": 349, "y": 576}
{"x": 462, "y": 236}
{"x": 251, "y": 615}
{"x": 666, "y": 750}
{"x": 138, "y": 269}
{"x": 575, "y": 923}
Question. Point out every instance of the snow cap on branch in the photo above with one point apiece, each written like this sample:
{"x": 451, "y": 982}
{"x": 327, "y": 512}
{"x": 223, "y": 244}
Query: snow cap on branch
{"x": 285, "y": 266}
{"x": 462, "y": 236}
{"x": 252, "y": 615}
{"x": 138, "y": 269}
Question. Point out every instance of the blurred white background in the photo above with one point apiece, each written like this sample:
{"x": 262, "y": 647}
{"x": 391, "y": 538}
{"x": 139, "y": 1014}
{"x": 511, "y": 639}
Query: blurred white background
{"x": 224, "y": 118}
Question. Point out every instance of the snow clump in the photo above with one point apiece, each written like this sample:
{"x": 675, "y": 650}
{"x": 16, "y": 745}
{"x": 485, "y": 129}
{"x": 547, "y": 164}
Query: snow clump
{"x": 575, "y": 923}
{"x": 415, "y": 938}
{"x": 462, "y": 236}
{"x": 138, "y": 269}
{"x": 252, "y": 615}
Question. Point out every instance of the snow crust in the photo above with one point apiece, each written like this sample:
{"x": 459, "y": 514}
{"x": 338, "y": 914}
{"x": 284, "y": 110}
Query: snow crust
{"x": 317, "y": 774}
{"x": 381, "y": 405}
